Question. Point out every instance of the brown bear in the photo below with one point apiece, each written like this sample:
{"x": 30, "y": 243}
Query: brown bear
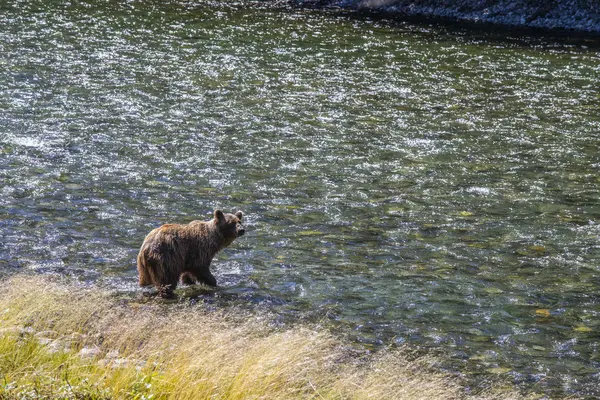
{"x": 176, "y": 251}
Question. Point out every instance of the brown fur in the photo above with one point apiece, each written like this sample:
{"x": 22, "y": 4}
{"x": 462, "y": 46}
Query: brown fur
{"x": 176, "y": 251}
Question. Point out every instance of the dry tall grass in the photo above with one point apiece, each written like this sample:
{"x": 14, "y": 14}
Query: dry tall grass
{"x": 59, "y": 340}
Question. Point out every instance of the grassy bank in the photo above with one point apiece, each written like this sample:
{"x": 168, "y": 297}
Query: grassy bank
{"x": 58, "y": 340}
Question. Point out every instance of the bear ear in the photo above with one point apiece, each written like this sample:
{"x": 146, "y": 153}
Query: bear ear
{"x": 219, "y": 215}
{"x": 239, "y": 214}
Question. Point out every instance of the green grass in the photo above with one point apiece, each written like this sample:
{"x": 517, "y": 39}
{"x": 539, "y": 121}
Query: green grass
{"x": 59, "y": 340}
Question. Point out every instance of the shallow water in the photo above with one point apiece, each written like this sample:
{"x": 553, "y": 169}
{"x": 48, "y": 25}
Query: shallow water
{"x": 404, "y": 183}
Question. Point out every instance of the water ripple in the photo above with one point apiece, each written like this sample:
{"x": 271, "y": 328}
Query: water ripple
{"x": 406, "y": 183}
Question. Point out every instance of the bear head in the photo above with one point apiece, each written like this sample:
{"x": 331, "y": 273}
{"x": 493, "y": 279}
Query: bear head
{"x": 230, "y": 225}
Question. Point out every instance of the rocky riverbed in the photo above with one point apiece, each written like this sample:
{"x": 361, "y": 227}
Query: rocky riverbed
{"x": 574, "y": 15}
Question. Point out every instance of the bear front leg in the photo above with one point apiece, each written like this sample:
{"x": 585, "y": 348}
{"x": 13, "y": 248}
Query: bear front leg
{"x": 206, "y": 277}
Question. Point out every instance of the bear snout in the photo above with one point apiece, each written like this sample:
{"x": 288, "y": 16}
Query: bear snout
{"x": 241, "y": 231}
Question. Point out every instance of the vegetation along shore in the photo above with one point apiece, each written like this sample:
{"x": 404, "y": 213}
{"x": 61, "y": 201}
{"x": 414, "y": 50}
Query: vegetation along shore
{"x": 60, "y": 340}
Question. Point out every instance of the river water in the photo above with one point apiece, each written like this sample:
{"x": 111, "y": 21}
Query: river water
{"x": 402, "y": 183}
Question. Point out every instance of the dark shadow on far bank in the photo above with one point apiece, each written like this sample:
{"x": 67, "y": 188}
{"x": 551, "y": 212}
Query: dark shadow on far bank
{"x": 474, "y": 31}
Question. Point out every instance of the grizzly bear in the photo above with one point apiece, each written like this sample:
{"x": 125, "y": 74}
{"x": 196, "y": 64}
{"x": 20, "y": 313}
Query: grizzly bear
{"x": 176, "y": 251}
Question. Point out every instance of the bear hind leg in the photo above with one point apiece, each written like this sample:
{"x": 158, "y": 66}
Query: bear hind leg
{"x": 144, "y": 280}
{"x": 158, "y": 273}
{"x": 165, "y": 291}
{"x": 144, "y": 271}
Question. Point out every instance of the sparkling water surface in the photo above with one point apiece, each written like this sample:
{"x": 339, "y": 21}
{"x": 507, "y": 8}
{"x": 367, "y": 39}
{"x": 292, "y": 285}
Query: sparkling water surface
{"x": 402, "y": 182}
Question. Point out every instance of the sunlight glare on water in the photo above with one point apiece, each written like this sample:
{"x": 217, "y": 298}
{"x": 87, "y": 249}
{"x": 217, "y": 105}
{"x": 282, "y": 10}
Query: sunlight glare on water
{"x": 405, "y": 183}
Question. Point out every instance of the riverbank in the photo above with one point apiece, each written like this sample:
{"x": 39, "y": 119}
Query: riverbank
{"x": 572, "y": 15}
{"x": 62, "y": 340}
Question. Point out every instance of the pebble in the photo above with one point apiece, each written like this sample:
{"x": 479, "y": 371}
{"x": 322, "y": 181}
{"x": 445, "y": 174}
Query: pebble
{"x": 89, "y": 352}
